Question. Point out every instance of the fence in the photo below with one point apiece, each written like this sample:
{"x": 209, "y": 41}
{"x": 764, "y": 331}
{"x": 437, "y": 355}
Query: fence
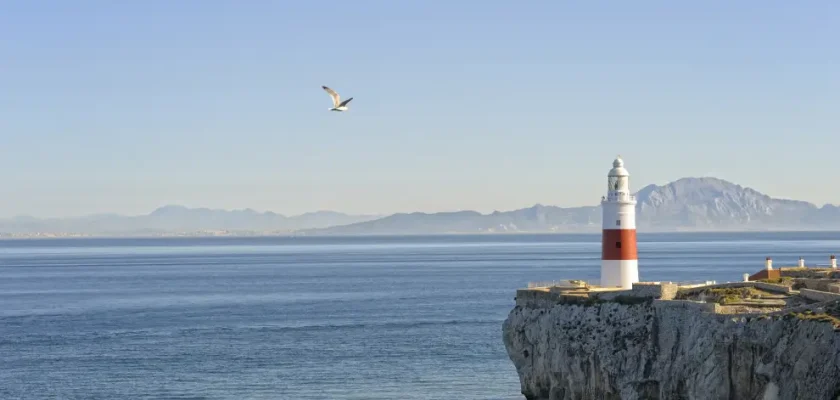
{"x": 694, "y": 283}
{"x": 597, "y": 282}
{"x": 570, "y": 283}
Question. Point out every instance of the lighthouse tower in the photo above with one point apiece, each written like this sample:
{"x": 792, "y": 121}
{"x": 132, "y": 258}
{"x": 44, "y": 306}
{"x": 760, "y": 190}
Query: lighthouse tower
{"x": 619, "y": 259}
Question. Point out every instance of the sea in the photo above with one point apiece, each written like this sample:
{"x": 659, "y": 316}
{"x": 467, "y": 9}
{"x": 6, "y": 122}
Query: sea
{"x": 414, "y": 317}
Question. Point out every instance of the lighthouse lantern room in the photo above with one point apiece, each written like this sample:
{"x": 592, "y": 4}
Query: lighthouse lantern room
{"x": 619, "y": 258}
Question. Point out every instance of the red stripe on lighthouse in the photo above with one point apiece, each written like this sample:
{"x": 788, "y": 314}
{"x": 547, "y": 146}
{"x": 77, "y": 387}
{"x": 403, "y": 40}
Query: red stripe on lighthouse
{"x": 619, "y": 244}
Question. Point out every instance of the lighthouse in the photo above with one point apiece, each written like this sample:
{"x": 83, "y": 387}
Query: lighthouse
{"x": 619, "y": 259}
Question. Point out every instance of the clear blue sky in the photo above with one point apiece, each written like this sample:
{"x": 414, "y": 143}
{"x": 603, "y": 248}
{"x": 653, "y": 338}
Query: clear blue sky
{"x": 126, "y": 106}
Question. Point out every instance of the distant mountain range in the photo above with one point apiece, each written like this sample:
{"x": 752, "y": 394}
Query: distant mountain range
{"x": 173, "y": 219}
{"x": 688, "y": 204}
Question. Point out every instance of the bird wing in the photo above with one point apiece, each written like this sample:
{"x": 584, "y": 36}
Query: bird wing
{"x": 334, "y": 95}
{"x": 344, "y": 103}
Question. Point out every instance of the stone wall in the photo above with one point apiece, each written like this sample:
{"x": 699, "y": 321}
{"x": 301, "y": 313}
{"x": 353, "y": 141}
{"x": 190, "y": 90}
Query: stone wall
{"x": 749, "y": 316}
{"x": 535, "y": 298}
{"x": 549, "y": 297}
{"x": 818, "y": 296}
{"x": 669, "y": 291}
{"x": 747, "y": 310}
{"x": 611, "y": 295}
{"x": 539, "y": 298}
{"x": 770, "y": 287}
{"x": 696, "y": 290}
{"x": 663, "y": 291}
{"x": 816, "y": 284}
{"x": 690, "y": 305}
{"x": 807, "y": 272}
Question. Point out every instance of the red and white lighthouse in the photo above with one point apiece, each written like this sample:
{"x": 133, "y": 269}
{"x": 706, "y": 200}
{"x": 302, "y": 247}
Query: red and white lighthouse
{"x": 619, "y": 258}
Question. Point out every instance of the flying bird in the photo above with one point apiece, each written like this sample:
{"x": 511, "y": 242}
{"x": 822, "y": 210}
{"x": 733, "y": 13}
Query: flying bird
{"x": 338, "y": 105}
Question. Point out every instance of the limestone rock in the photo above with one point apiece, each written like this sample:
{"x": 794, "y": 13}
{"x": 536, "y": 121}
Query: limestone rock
{"x": 661, "y": 350}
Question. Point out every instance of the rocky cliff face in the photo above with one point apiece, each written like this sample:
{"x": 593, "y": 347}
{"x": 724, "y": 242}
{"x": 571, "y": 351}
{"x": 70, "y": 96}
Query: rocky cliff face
{"x": 668, "y": 351}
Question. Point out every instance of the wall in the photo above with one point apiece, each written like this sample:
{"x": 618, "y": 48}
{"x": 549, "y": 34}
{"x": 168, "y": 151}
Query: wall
{"x": 687, "y": 304}
{"x": 766, "y": 274}
{"x": 535, "y": 298}
{"x": 611, "y": 295}
{"x": 815, "y": 295}
{"x": 529, "y": 298}
{"x": 806, "y": 272}
{"x": 663, "y": 291}
{"x": 817, "y": 308}
{"x": 816, "y": 284}
{"x": 697, "y": 290}
{"x": 770, "y": 287}
{"x": 669, "y": 291}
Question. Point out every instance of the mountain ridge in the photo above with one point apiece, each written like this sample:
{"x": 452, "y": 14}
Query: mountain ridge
{"x": 686, "y": 204}
{"x": 691, "y": 203}
{"x": 174, "y": 218}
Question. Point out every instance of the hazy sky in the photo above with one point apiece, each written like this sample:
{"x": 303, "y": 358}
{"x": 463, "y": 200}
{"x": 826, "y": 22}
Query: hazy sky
{"x": 122, "y": 107}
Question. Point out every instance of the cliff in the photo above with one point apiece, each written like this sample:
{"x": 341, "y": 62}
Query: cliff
{"x": 658, "y": 349}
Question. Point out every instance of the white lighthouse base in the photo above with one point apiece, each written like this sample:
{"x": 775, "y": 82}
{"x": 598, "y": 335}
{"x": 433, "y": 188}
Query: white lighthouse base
{"x": 619, "y": 273}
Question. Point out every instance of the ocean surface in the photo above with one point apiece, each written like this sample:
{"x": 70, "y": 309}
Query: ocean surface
{"x": 308, "y": 318}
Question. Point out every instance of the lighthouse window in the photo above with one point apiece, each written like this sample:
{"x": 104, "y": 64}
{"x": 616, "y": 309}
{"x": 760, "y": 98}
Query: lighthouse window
{"x": 618, "y": 222}
{"x": 617, "y": 245}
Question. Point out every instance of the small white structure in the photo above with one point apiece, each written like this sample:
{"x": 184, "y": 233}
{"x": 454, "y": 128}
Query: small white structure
{"x": 801, "y": 262}
{"x": 746, "y": 277}
{"x": 833, "y": 261}
{"x": 619, "y": 257}
{"x": 768, "y": 264}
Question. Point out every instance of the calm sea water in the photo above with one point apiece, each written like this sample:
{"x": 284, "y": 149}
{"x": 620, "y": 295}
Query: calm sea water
{"x": 307, "y": 318}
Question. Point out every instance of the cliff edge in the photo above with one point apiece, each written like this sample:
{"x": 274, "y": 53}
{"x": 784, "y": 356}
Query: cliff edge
{"x": 632, "y": 348}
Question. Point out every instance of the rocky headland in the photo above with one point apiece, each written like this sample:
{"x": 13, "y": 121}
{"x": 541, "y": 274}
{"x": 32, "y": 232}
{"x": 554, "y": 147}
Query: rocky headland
{"x": 746, "y": 340}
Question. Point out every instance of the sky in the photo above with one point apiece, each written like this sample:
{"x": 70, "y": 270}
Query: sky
{"x": 485, "y": 105}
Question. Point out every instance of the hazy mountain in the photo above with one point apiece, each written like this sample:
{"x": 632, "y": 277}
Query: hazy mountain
{"x": 686, "y": 204}
{"x": 706, "y": 203}
{"x": 175, "y": 219}
{"x": 538, "y": 218}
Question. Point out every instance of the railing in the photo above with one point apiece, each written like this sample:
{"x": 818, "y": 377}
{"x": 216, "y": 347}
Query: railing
{"x": 618, "y": 196}
{"x": 695, "y": 283}
{"x": 596, "y": 282}
{"x": 570, "y": 283}
{"x": 541, "y": 284}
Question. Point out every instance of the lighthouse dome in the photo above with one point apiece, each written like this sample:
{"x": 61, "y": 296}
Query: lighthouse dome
{"x": 618, "y": 168}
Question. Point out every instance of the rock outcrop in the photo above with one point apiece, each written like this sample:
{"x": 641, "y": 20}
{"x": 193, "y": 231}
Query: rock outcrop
{"x": 669, "y": 350}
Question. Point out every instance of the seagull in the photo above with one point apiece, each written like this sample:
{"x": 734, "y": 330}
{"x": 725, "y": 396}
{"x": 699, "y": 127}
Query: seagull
{"x": 338, "y": 105}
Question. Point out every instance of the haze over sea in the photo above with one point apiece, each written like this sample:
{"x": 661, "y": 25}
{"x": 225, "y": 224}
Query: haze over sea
{"x": 308, "y": 318}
